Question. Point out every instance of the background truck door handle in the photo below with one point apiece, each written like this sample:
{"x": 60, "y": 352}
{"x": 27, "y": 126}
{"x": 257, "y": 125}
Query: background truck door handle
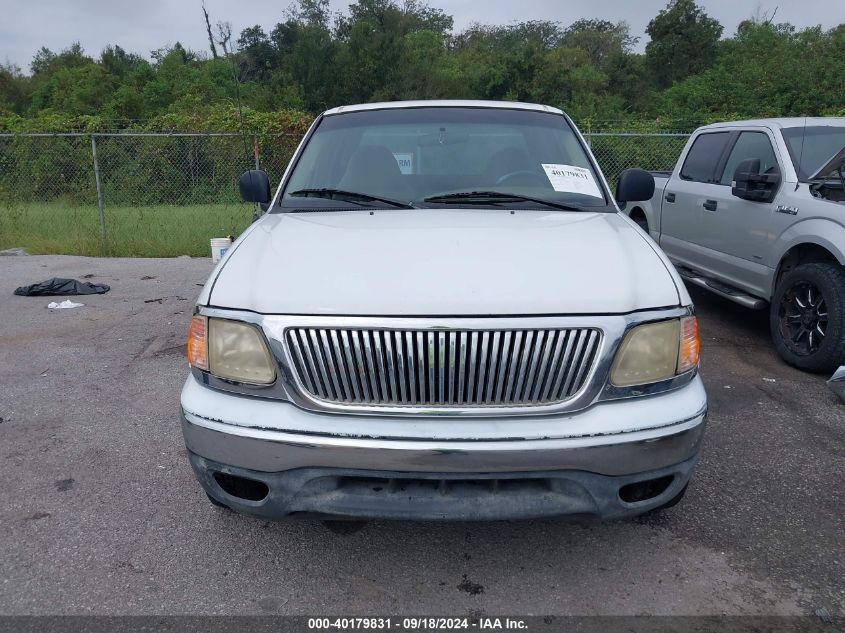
{"x": 710, "y": 205}
{"x": 670, "y": 197}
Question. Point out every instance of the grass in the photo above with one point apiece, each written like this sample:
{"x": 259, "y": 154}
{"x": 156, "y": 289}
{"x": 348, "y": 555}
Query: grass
{"x": 152, "y": 231}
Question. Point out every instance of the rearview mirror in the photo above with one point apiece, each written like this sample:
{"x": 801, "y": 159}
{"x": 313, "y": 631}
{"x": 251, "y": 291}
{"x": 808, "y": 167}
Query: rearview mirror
{"x": 634, "y": 185}
{"x": 749, "y": 184}
{"x": 255, "y": 186}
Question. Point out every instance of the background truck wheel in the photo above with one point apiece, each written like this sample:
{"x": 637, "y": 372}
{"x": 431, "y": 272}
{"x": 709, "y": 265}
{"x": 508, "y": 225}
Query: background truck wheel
{"x": 807, "y": 317}
{"x": 638, "y": 216}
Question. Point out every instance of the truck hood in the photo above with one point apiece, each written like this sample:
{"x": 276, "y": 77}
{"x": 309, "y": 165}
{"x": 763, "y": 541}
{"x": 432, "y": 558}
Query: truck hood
{"x": 443, "y": 262}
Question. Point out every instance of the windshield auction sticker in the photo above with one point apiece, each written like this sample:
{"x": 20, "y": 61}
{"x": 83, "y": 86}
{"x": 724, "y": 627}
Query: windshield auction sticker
{"x": 572, "y": 179}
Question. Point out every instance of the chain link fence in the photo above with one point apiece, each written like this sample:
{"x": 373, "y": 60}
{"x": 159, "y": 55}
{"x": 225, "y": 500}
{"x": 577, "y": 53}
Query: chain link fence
{"x": 144, "y": 194}
{"x": 653, "y": 151}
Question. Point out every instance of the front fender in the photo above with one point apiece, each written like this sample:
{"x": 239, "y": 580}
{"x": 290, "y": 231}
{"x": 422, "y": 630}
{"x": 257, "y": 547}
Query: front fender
{"x": 827, "y": 233}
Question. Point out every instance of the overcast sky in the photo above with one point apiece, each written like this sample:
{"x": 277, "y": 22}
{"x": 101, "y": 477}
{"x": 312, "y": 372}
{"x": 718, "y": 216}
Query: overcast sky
{"x": 140, "y": 26}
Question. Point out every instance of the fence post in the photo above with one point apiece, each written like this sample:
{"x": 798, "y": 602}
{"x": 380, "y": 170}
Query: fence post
{"x": 99, "y": 188}
{"x": 256, "y": 211}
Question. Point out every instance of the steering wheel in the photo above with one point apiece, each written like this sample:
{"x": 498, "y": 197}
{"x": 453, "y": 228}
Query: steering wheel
{"x": 521, "y": 172}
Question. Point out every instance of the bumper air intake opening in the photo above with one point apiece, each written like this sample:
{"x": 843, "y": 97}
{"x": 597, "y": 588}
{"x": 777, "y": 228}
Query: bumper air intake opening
{"x": 643, "y": 490}
{"x": 241, "y": 487}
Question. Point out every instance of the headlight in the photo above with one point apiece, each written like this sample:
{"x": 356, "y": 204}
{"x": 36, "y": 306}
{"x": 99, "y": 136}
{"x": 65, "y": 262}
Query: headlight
{"x": 656, "y": 351}
{"x": 231, "y": 350}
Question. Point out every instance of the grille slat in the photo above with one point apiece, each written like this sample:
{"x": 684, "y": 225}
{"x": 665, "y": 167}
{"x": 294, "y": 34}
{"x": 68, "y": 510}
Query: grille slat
{"x": 412, "y": 368}
{"x": 324, "y": 376}
{"x": 350, "y": 365}
{"x": 339, "y": 366}
{"x": 400, "y": 366}
{"x": 444, "y": 368}
{"x": 302, "y": 368}
{"x": 391, "y": 369}
{"x": 576, "y": 355}
{"x": 525, "y": 393}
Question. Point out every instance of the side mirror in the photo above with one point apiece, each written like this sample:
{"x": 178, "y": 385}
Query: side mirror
{"x": 255, "y": 186}
{"x": 749, "y": 184}
{"x": 634, "y": 185}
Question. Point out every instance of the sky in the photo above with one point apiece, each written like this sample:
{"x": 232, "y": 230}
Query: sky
{"x": 140, "y": 26}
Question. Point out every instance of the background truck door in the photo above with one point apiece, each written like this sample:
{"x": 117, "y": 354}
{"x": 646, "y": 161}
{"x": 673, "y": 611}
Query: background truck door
{"x": 737, "y": 234}
{"x": 690, "y": 187}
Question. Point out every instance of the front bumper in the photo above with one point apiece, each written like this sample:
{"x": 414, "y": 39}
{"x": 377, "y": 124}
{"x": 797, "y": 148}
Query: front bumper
{"x": 575, "y": 473}
{"x": 355, "y": 494}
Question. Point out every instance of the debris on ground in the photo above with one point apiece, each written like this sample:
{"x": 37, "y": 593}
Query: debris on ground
{"x": 824, "y": 615}
{"x": 13, "y": 252}
{"x": 60, "y": 286}
{"x": 769, "y": 380}
{"x": 161, "y": 299}
{"x": 67, "y": 303}
{"x": 472, "y": 588}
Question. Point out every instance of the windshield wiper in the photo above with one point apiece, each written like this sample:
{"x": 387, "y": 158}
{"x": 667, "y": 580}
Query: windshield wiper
{"x": 350, "y": 196}
{"x": 479, "y": 197}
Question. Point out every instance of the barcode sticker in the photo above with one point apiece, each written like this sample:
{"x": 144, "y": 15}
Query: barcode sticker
{"x": 572, "y": 179}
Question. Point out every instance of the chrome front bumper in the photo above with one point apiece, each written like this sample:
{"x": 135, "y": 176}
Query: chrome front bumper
{"x": 272, "y": 451}
{"x": 562, "y": 465}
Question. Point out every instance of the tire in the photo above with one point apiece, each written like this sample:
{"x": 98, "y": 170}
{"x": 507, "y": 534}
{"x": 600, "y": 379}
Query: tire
{"x": 217, "y": 503}
{"x": 674, "y": 500}
{"x": 639, "y": 217}
{"x": 669, "y": 504}
{"x": 807, "y": 317}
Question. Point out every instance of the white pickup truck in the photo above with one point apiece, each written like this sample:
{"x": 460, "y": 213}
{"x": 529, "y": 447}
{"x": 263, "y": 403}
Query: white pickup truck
{"x": 755, "y": 211}
{"x": 443, "y": 315}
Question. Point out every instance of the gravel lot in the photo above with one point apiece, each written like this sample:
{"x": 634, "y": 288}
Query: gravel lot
{"x": 100, "y": 512}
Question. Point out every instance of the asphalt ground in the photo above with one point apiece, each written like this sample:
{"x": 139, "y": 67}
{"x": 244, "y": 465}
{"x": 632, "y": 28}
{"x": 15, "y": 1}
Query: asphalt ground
{"x": 100, "y": 512}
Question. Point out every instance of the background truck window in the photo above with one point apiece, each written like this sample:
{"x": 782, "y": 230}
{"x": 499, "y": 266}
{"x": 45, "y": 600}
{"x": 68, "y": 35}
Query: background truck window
{"x": 750, "y": 145}
{"x": 700, "y": 164}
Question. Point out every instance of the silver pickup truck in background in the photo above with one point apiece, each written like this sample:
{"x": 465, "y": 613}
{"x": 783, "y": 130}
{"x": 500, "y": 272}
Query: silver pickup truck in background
{"x": 754, "y": 211}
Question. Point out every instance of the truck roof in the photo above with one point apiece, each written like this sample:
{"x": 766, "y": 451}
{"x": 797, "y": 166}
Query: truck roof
{"x": 444, "y": 103}
{"x": 782, "y": 122}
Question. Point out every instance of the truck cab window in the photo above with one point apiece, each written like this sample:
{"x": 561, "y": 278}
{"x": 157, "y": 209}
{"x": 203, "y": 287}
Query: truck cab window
{"x": 750, "y": 145}
{"x": 700, "y": 163}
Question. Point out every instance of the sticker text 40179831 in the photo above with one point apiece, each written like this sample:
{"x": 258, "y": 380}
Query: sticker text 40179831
{"x": 572, "y": 179}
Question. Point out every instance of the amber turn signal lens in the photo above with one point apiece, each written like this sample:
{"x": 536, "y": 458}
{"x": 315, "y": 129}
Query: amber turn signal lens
{"x": 690, "y": 348}
{"x": 198, "y": 342}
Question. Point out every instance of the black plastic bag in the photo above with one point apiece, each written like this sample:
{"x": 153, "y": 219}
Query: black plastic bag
{"x": 58, "y": 286}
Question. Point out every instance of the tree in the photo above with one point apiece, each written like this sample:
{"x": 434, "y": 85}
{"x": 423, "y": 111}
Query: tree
{"x": 117, "y": 61}
{"x": 683, "y": 42}
{"x": 314, "y": 59}
{"x": 224, "y": 36}
{"x": 257, "y": 57}
{"x": 766, "y": 70}
{"x": 373, "y": 43}
{"x": 12, "y": 89}
{"x": 209, "y": 32}
{"x": 601, "y": 40}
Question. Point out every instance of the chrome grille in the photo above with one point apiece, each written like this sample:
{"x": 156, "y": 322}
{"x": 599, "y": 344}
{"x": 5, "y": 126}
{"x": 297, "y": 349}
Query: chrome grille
{"x": 442, "y": 368}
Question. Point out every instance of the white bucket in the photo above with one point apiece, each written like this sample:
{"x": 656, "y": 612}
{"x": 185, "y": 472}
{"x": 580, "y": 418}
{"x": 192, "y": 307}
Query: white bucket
{"x": 219, "y": 246}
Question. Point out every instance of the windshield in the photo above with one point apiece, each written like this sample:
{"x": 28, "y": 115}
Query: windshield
{"x": 820, "y": 144}
{"x": 421, "y": 155}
